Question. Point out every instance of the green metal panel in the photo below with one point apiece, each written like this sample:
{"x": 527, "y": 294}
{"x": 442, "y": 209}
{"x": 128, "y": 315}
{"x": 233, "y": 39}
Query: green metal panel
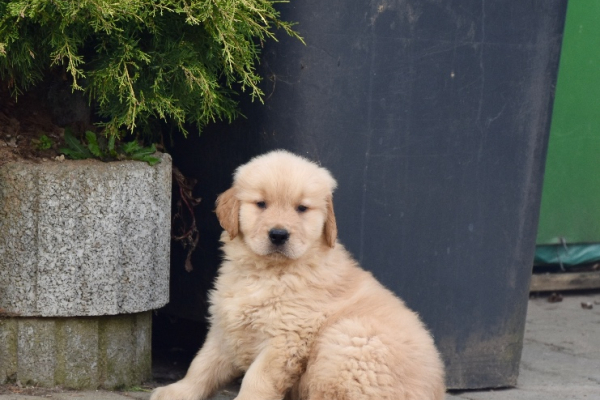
{"x": 571, "y": 195}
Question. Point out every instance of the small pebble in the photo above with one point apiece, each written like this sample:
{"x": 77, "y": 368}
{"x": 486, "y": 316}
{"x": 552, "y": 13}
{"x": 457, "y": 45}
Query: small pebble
{"x": 587, "y": 305}
{"x": 555, "y": 298}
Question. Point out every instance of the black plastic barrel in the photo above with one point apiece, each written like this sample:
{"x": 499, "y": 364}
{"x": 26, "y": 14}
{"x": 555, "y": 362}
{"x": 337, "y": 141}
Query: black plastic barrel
{"x": 434, "y": 117}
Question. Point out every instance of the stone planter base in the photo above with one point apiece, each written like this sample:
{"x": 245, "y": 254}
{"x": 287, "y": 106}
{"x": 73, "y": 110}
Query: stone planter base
{"x": 84, "y": 256}
{"x": 109, "y": 352}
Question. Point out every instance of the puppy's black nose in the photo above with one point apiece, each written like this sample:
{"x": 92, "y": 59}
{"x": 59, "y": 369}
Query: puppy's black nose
{"x": 278, "y": 236}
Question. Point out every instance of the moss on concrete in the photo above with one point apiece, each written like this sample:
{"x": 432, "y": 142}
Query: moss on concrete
{"x": 109, "y": 352}
{"x": 8, "y": 350}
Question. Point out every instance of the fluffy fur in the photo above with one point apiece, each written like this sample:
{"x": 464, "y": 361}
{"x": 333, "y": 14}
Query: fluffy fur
{"x": 300, "y": 318}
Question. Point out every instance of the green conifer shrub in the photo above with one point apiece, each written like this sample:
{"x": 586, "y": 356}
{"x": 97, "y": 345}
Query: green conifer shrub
{"x": 140, "y": 60}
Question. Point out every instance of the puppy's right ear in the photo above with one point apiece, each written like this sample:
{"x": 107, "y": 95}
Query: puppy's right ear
{"x": 330, "y": 229}
{"x": 228, "y": 212}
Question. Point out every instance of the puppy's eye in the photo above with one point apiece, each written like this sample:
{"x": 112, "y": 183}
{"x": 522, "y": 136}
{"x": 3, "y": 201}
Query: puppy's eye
{"x": 261, "y": 204}
{"x": 301, "y": 208}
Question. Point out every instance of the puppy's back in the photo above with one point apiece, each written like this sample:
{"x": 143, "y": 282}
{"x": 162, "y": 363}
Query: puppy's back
{"x": 372, "y": 347}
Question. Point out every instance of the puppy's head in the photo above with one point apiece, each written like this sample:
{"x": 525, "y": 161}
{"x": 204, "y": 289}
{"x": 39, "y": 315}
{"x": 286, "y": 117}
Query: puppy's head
{"x": 280, "y": 204}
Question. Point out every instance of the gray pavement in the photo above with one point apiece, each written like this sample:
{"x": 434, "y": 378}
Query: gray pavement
{"x": 561, "y": 353}
{"x": 561, "y": 360}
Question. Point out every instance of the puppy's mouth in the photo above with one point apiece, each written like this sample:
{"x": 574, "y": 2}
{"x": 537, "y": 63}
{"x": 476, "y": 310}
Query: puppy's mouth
{"x": 280, "y": 250}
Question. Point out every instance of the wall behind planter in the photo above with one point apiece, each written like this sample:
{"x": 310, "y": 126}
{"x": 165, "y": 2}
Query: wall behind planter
{"x": 434, "y": 118}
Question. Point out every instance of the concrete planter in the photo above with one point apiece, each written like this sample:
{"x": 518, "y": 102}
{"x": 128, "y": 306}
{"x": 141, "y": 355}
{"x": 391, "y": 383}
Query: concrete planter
{"x": 81, "y": 242}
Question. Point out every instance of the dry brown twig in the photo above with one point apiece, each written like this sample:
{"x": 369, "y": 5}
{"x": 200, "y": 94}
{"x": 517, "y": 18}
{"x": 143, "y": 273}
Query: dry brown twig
{"x": 184, "y": 227}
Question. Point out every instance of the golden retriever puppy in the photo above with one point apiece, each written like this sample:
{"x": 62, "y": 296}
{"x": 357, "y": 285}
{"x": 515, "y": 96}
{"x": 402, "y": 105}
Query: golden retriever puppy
{"x": 293, "y": 312}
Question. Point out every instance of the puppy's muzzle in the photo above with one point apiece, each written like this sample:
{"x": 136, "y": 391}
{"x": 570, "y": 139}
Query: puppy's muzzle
{"x": 278, "y": 236}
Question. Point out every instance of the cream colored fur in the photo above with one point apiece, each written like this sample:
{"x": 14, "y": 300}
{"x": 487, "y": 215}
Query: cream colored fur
{"x": 302, "y": 320}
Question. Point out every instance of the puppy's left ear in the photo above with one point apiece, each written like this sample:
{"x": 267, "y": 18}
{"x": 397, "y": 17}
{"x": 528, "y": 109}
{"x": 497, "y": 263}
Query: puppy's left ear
{"x": 330, "y": 229}
{"x": 228, "y": 212}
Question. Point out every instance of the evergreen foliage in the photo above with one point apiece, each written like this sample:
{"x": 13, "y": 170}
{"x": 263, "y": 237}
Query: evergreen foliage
{"x": 139, "y": 60}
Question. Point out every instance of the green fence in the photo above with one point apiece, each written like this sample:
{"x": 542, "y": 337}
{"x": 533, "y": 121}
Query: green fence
{"x": 570, "y": 211}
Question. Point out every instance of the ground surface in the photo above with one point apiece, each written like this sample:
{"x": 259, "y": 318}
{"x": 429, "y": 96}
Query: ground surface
{"x": 22, "y": 123}
{"x": 561, "y": 360}
{"x": 561, "y": 353}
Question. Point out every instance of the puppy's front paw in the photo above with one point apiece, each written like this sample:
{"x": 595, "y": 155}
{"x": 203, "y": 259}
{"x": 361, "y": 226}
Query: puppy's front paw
{"x": 175, "y": 391}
